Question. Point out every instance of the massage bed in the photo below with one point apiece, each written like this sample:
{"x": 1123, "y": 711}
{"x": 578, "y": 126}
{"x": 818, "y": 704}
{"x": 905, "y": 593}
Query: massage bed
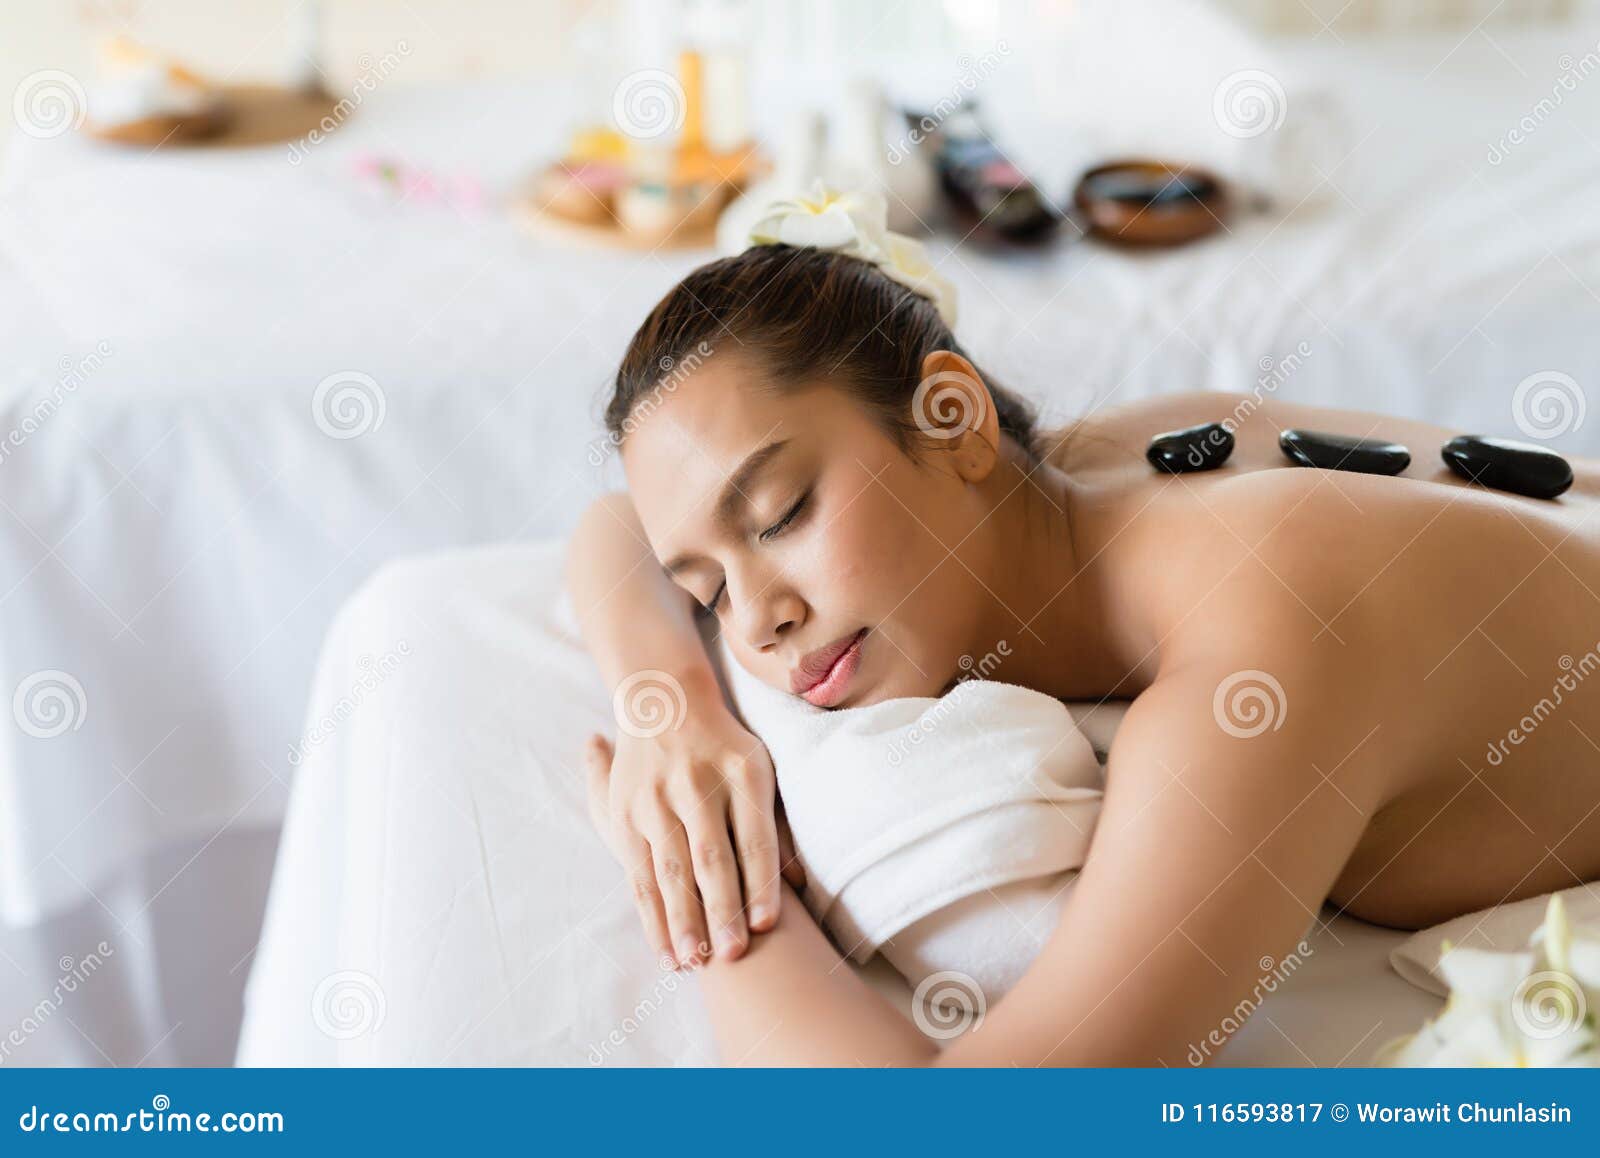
{"x": 441, "y": 897}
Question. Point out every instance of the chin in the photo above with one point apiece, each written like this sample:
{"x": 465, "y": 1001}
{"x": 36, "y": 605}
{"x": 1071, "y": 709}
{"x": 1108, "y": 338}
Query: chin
{"x": 898, "y": 686}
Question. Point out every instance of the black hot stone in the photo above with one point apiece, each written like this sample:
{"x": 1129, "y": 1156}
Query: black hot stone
{"x": 1518, "y": 467}
{"x": 1203, "y": 447}
{"x": 1340, "y": 452}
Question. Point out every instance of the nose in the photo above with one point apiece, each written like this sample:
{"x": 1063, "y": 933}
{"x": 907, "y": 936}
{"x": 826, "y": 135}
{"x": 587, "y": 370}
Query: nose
{"x": 771, "y": 612}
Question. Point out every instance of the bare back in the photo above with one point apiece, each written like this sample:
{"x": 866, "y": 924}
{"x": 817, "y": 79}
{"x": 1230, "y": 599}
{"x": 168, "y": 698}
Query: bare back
{"x": 1457, "y": 627}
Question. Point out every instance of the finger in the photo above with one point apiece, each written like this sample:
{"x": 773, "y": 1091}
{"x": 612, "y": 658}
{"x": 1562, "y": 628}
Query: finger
{"x": 634, "y": 851}
{"x": 717, "y": 874}
{"x": 793, "y": 871}
{"x": 669, "y": 849}
{"x": 597, "y": 775}
{"x": 756, "y": 837}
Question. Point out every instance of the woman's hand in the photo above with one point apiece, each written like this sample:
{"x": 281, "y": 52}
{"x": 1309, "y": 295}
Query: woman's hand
{"x": 687, "y": 798}
{"x": 689, "y": 813}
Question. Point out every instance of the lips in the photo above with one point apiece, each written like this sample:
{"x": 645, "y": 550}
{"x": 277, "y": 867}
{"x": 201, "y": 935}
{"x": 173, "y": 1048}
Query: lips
{"x": 823, "y": 674}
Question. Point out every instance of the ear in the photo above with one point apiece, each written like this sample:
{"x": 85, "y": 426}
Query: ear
{"x": 955, "y": 412}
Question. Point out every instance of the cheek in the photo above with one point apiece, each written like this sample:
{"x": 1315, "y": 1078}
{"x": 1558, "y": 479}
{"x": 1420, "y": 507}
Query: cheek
{"x": 860, "y": 556}
{"x": 848, "y": 553}
{"x": 876, "y": 550}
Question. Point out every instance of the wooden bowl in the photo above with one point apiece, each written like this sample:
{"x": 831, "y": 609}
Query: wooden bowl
{"x": 1150, "y": 203}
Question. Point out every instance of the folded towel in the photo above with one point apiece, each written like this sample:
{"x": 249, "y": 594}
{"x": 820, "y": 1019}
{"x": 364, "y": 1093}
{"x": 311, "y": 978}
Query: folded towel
{"x": 1504, "y": 928}
{"x": 944, "y": 833}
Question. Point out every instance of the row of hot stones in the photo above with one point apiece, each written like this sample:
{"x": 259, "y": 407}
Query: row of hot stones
{"x": 1518, "y": 467}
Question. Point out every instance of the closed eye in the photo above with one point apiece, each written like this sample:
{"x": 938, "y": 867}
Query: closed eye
{"x": 766, "y": 536}
{"x": 793, "y": 513}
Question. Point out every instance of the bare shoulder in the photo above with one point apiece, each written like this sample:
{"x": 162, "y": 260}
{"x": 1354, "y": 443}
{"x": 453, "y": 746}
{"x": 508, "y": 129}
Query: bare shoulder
{"x": 1256, "y": 557}
{"x": 1250, "y": 702}
{"x": 1267, "y": 601}
{"x": 1115, "y": 434}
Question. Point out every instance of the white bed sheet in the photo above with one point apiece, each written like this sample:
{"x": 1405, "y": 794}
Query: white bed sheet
{"x": 177, "y": 537}
{"x": 441, "y": 897}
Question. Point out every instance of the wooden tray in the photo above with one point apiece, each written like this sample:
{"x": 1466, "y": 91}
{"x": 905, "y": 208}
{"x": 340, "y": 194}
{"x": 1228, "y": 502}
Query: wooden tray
{"x": 251, "y": 115}
{"x": 537, "y": 221}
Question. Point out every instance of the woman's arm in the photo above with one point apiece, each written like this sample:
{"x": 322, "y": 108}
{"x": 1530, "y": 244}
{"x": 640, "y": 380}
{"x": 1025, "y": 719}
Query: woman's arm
{"x": 1211, "y": 858}
{"x": 793, "y": 1001}
{"x": 633, "y": 617}
{"x": 690, "y": 810}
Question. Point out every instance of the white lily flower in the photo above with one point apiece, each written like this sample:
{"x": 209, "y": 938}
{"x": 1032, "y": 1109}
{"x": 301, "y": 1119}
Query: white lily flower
{"x": 1483, "y": 974}
{"x": 1584, "y": 965}
{"x": 909, "y": 265}
{"x": 1534, "y": 1007}
{"x": 856, "y": 224}
{"x": 1555, "y": 934}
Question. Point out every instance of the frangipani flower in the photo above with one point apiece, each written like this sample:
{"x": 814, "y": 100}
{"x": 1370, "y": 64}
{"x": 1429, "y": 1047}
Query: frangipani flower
{"x": 1575, "y": 955}
{"x": 1534, "y": 1007}
{"x": 909, "y": 265}
{"x": 855, "y": 224}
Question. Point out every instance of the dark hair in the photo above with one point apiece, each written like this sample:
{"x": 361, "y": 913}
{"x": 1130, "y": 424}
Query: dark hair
{"x": 802, "y": 314}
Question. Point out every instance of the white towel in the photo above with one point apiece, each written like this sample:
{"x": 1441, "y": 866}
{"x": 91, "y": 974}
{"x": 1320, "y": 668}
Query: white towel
{"x": 1504, "y": 928}
{"x": 944, "y": 833}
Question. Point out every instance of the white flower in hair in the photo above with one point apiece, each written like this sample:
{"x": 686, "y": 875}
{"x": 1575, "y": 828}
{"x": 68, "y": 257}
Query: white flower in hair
{"x": 856, "y": 225}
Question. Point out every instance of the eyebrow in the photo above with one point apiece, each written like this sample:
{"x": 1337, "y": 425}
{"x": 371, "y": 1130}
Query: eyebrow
{"x": 743, "y": 477}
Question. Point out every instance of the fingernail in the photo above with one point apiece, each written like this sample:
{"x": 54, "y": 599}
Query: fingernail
{"x": 686, "y": 952}
{"x": 729, "y": 943}
{"x": 761, "y": 915}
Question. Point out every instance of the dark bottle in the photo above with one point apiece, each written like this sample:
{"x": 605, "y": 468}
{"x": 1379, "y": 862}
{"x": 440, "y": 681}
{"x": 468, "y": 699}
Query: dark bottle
{"x": 988, "y": 193}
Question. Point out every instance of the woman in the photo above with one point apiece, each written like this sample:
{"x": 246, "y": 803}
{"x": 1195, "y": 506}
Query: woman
{"x": 827, "y": 472}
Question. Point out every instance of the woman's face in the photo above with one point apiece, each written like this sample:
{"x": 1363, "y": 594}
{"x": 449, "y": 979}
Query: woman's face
{"x": 825, "y": 550}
